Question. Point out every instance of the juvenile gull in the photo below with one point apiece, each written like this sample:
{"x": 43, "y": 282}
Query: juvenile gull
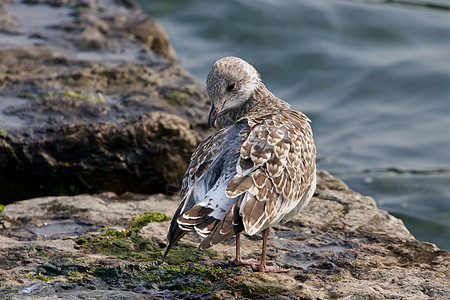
{"x": 257, "y": 170}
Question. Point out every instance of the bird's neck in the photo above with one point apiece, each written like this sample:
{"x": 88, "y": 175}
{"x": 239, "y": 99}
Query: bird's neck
{"x": 262, "y": 103}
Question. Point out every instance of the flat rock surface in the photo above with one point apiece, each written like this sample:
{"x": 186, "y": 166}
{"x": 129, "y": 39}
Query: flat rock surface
{"x": 340, "y": 247}
{"x": 91, "y": 99}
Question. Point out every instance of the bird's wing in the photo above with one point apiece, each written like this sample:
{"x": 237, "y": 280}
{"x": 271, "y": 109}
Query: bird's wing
{"x": 275, "y": 170}
{"x": 274, "y": 179}
{"x": 204, "y": 202}
{"x": 268, "y": 177}
{"x": 203, "y": 161}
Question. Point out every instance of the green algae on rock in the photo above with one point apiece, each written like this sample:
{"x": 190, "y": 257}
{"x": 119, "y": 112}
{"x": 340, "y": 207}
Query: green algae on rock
{"x": 194, "y": 279}
{"x": 148, "y": 217}
{"x": 92, "y": 97}
{"x": 127, "y": 244}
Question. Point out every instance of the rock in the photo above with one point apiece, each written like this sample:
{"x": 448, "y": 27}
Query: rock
{"x": 340, "y": 247}
{"x": 91, "y": 100}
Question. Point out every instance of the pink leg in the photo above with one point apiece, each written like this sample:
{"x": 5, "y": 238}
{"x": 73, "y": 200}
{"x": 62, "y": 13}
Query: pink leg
{"x": 262, "y": 266}
{"x": 238, "y": 261}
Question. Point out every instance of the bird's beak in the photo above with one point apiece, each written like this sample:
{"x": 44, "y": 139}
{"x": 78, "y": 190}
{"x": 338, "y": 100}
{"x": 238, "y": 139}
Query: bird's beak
{"x": 212, "y": 115}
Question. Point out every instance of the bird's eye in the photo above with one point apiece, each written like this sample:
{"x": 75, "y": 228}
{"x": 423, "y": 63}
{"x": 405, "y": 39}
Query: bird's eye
{"x": 230, "y": 87}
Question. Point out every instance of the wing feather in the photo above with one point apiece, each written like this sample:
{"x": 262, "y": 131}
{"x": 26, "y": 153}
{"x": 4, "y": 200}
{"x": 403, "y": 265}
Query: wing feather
{"x": 247, "y": 178}
{"x": 276, "y": 155}
{"x": 203, "y": 200}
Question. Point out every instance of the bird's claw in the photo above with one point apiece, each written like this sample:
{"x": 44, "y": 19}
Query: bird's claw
{"x": 244, "y": 262}
{"x": 269, "y": 269}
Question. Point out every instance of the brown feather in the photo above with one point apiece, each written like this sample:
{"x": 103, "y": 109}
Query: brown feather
{"x": 197, "y": 212}
{"x": 230, "y": 225}
{"x": 238, "y": 185}
{"x": 254, "y": 216}
{"x": 245, "y": 165}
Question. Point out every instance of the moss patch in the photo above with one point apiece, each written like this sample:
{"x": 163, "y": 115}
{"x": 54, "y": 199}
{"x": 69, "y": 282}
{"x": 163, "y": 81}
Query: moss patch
{"x": 93, "y": 97}
{"x": 178, "y": 99}
{"x": 127, "y": 244}
{"x": 46, "y": 95}
{"x": 255, "y": 291}
{"x": 149, "y": 217}
{"x": 10, "y": 292}
{"x": 27, "y": 95}
{"x": 37, "y": 250}
{"x": 195, "y": 279}
{"x": 138, "y": 223}
{"x": 118, "y": 243}
{"x": 338, "y": 278}
{"x": 141, "y": 267}
{"x": 183, "y": 253}
{"x": 70, "y": 272}
{"x": 2, "y": 132}
{"x": 41, "y": 277}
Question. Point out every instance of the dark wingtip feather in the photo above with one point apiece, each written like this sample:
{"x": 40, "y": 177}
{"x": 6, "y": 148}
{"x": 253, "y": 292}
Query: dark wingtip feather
{"x": 230, "y": 225}
{"x": 174, "y": 235}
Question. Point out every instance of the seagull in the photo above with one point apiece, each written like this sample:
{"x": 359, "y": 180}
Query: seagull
{"x": 257, "y": 170}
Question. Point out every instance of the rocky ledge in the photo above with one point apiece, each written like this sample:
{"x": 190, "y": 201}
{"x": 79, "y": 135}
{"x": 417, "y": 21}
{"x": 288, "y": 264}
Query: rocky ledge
{"x": 103, "y": 246}
{"x": 91, "y": 99}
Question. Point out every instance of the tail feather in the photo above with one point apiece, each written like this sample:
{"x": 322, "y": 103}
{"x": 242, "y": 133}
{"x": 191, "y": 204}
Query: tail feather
{"x": 174, "y": 235}
{"x": 230, "y": 225}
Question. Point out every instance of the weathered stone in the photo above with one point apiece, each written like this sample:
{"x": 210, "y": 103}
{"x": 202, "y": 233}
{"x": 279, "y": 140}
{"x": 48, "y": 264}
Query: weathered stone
{"x": 91, "y": 100}
{"x": 146, "y": 154}
{"x": 340, "y": 247}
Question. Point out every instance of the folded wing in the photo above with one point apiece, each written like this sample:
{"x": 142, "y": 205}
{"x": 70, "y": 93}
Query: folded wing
{"x": 274, "y": 176}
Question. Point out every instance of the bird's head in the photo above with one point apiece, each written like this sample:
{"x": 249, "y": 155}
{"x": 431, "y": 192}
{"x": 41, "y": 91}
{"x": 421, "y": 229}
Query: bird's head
{"x": 230, "y": 83}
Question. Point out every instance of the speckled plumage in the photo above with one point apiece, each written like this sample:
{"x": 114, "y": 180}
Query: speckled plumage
{"x": 256, "y": 170}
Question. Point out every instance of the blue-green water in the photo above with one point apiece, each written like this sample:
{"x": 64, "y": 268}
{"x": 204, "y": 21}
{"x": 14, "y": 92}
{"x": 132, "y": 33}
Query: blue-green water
{"x": 373, "y": 76}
